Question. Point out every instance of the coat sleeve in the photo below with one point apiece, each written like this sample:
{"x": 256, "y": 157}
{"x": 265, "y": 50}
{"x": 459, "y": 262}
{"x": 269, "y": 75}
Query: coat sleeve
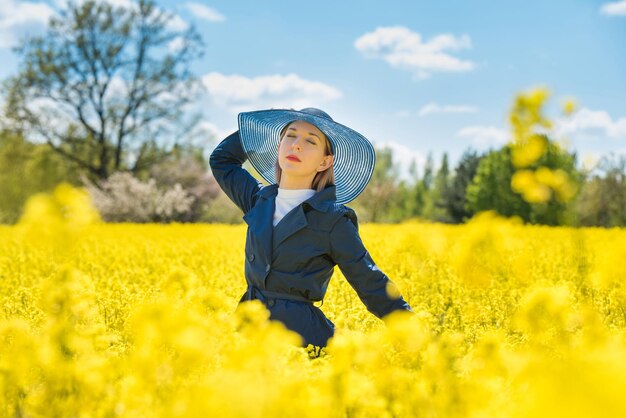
{"x": 226, "y": 162}
{"x": 356, "y": 264}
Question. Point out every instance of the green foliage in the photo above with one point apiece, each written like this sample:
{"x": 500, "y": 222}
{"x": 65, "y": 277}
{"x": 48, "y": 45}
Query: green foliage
{"x": 491, "y": 187}
{"x": 602, "y": 200}
{"x": 421, "y": 193}
{"x": 403, "y": 203}
{"x": 455, "y": 198}
{"x": 435, "y": 207}
{"x": 375, "y": 202}
{"x": 26, "y": 169}
{"x": 427, "y": 179}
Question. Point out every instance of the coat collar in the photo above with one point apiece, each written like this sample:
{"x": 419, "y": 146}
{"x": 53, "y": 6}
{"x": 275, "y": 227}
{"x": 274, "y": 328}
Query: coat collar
{"x": 321, "y": 201}
{"x": 260, "y": 218}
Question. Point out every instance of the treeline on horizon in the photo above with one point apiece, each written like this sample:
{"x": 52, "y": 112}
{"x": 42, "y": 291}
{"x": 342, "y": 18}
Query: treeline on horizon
{"x": 482, "y": 181}
{"x": 179, "y": 180}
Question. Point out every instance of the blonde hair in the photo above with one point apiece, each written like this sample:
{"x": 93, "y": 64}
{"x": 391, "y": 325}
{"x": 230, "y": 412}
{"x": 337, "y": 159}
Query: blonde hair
{"x": 323, "y": 178}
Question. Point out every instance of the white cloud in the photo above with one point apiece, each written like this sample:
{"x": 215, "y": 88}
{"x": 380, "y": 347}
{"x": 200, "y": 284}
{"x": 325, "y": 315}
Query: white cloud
{"x": 177, "y": 24}
{"x": 404, "y": 49}
{"x": 22, "y": 18}
{"x": 617, "y": 8}
{"x": 212, "y": 131}
{"x": 207, "y": 135}
{"x": 485, "y": 135}
{"x": 54, "y": 116}
{"x": 589, "y": 161}
{"x": 436, "y": 108}
{"x": 176, "y": 44}
{"x": 62, "y": 4}
{"x": 174, "y": 24}
{"x": 587, "y": 122}
{"x": 204, "y": 12}
{"x": 119, "y": 3}
{"x": 238, "y": 93}
{"x": 593, "y": 162}
{"x": 402, "y": 157}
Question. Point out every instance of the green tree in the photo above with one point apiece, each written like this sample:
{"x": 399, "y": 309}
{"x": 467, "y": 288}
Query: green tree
{"x": 491, "y": 187}
{"x": 455, "y": 199}
{"x": 403, "y": 203}
{"x": 26, "y": 169}
{"x": 422, "y": 188}
{"x": 427, "y": 178}
{"x": 375, "y": 201}
{"x": 105, "y": 85}
{"x": 435, "y": 207}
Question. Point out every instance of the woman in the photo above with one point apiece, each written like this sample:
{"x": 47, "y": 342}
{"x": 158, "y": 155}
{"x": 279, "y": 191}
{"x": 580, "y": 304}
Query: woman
{"x": 298, "y": 225}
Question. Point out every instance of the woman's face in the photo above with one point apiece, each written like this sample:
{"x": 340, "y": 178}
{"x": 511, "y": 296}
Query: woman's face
{"x": 307, "y": 144}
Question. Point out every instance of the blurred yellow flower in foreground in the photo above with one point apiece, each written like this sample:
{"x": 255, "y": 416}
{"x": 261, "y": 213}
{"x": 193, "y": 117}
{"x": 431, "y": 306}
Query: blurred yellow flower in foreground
{"x": 569, "y": 106}
{"x": 57, "y": 218}
{"x": 510, "y": 320}
{"x": 529, "y": 144}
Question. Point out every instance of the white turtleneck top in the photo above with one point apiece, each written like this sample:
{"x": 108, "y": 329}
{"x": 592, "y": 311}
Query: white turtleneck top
{"x": 287, "y": 199}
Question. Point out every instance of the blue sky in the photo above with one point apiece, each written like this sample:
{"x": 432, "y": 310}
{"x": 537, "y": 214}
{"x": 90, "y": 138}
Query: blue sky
{"x": 419, "y": 76}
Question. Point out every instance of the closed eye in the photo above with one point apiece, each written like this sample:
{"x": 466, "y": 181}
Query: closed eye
{"x": 309, "y": 141}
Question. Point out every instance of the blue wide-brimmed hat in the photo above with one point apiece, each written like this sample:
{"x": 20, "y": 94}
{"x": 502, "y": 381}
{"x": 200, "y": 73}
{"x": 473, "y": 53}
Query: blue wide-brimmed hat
{"x": 354, "y": 156}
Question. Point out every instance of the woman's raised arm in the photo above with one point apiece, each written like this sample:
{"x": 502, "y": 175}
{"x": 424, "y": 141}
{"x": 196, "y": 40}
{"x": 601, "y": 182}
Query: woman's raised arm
{"x": 226, "y": 162}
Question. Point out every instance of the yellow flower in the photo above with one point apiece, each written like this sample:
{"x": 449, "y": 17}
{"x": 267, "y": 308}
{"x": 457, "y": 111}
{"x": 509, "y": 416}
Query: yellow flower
{"x": 569, "y": 106}
{"x": 510, "y": 320}
{"x": 528, "y": 150}
{"x": 532, "y": 190}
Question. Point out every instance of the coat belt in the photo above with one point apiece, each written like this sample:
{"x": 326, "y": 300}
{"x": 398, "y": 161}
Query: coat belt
{"x": 253, "y": 292}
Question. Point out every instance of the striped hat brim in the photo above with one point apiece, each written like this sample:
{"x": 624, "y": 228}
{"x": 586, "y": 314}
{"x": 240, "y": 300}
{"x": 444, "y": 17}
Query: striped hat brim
{"x": 354, "y": 155}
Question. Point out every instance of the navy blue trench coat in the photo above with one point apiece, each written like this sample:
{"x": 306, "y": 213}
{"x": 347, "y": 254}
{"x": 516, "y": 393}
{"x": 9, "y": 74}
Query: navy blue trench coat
{"x": 289, "y": 266}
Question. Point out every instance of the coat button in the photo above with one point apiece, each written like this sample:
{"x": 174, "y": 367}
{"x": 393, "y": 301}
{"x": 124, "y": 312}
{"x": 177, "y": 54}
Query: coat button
{"x": 271, "y": 302}
{"x": 251, "y": 257}
{"x": 267, "y": 268}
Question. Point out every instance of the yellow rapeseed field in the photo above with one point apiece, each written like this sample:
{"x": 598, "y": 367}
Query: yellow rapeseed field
{"x": 139, "y": 321}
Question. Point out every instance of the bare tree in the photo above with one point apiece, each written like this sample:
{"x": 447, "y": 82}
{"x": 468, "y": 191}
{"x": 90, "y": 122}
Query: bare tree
{"x": 107, "y": 86}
